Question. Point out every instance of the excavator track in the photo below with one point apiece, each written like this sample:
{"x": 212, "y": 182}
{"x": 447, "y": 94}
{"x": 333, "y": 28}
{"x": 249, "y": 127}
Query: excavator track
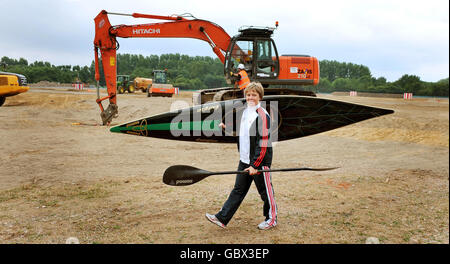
{"x": 229, "y": 93}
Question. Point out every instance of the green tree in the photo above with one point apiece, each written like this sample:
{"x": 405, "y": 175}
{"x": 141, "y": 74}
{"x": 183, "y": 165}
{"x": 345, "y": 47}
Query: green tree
{"x": 440, "y": 88}
{"x": 362, "y": 84}
{"x": 324, "y": 85}
{"x": 342, "y": 85}
{"x": 409, "y": 83}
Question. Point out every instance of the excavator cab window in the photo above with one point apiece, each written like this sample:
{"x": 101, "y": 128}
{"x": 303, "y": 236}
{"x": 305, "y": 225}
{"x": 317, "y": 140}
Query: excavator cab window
{"x": 242, "y": 52}
{"x": 266, "y": 59}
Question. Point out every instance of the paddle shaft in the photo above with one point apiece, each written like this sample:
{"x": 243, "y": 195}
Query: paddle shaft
{"x": 272, "y": 170}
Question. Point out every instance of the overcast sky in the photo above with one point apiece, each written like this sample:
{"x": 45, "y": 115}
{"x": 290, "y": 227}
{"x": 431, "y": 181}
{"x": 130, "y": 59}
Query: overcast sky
{"x": 391, "y": 37}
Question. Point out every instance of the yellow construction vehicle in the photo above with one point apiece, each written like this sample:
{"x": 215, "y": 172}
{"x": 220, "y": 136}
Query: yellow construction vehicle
{"x": 11, "y": 84}
{"x": 142, "y": 83}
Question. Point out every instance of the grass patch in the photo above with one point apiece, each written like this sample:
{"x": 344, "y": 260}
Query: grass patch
{"x": 15, "y": 193}
{"x": 51, "y": 196}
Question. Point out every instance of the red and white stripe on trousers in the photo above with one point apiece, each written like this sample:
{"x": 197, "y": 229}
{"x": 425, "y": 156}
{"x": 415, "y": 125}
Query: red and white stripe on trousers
{"x": 265, "y": 137}
{"x": 270, "y": 196}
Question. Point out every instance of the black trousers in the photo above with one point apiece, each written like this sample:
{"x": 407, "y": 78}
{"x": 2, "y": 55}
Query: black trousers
{"x": 263, "y": 182}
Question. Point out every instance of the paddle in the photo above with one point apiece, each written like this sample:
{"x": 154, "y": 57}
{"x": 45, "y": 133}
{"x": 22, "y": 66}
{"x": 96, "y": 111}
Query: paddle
{"x": 181, "y": 175}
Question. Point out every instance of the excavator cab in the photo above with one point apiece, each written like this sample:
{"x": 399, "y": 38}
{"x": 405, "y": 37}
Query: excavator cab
{"x": 254, "y": 48}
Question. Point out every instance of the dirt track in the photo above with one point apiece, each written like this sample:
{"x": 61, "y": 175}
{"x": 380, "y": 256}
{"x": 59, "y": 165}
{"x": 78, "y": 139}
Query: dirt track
{"x": 59, "y": 179}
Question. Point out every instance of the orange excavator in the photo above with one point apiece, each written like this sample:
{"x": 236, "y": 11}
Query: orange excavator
{"x": 252, "y": 47}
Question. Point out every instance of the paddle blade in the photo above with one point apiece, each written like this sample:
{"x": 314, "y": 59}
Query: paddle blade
{"x": 181, "y": 175}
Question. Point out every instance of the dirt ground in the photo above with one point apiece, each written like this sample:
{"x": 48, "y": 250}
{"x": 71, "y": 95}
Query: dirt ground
{"x": 61, "y": 179}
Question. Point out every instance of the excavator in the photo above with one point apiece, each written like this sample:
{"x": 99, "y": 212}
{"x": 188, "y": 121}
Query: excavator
{"x": 253, "y": 47}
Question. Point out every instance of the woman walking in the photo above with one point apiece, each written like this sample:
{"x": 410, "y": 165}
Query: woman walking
{"x": 255, "y": 152}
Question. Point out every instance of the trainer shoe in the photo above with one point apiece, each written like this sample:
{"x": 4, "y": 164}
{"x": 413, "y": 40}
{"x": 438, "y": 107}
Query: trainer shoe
{"x": 267, "y": 225}
{"x": 213, "y": 219}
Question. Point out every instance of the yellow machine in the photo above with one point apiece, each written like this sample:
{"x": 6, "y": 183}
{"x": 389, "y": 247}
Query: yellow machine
{"x": 142, "y": 83}
{"x": 11, "y": 84}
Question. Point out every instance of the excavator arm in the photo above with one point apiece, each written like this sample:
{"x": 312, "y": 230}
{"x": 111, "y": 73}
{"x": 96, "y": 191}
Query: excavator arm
{"x": 174, "y": 27}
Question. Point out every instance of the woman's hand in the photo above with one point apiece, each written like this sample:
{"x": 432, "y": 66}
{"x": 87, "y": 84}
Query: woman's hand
{"x": 222, "y": 125}
{"x": 251, "y": 170}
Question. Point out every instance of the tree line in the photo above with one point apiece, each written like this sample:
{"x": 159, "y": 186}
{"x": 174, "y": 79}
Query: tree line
{"x": 341, "y": 76}
{"x": 202, "y": 72}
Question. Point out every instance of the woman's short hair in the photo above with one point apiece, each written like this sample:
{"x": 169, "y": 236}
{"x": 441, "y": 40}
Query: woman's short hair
{"x": 257, "y": 87}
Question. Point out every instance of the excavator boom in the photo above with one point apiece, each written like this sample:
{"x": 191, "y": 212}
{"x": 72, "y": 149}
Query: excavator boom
{"x": 175, "y": 27}
{"x": 253, "y": 47}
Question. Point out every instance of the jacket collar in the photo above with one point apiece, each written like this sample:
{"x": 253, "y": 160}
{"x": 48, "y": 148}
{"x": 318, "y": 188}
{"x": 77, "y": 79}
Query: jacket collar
{"x": 253, "y": 108}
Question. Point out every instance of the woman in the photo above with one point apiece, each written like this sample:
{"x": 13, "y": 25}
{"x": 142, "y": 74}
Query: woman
{"x": 255, "y": 153}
